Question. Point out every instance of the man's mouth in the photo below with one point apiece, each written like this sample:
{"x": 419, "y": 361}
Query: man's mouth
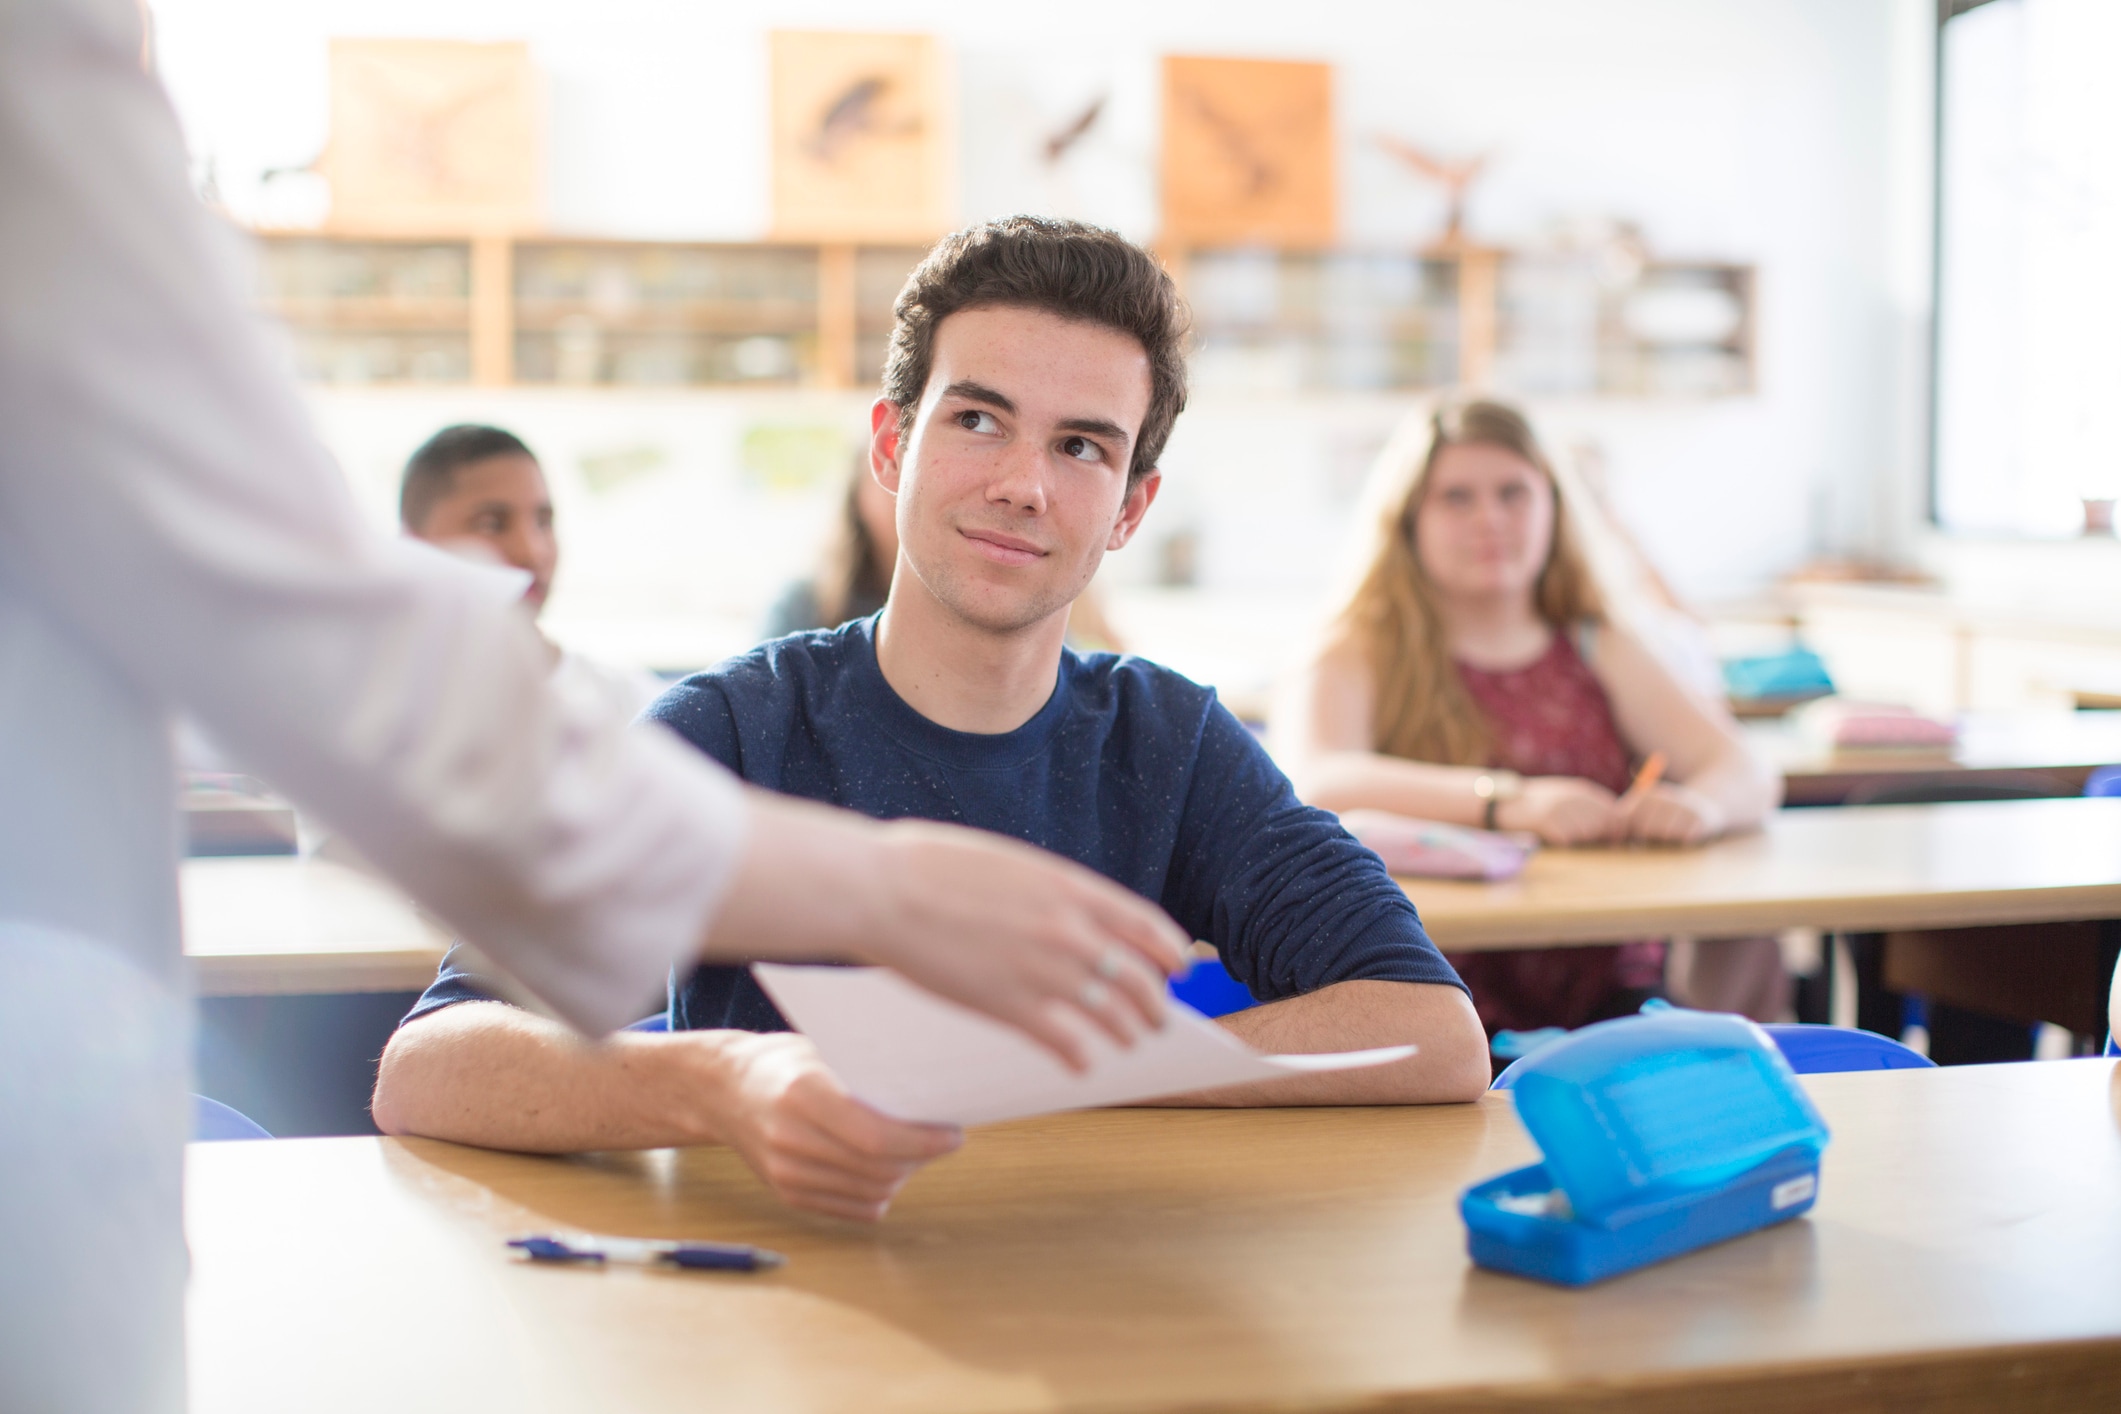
{"x": 1004, "y": 549}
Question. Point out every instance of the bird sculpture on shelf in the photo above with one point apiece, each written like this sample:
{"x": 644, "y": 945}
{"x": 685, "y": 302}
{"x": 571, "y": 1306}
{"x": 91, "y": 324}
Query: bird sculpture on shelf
{"x": 1063, "y": 139}
{"x": 1456, "y": 177}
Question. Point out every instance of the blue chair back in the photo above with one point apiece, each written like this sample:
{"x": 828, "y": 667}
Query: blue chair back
{"x": 1210, "y": 989}
{"x": 1812, "y": 1050}
{"x": 2104, "y": 781}
{"x": 1827, "y": 1050}
{"x": 212, "y": 1122}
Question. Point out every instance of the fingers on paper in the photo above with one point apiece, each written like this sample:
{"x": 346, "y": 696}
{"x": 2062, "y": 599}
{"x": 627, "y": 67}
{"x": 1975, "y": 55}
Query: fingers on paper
{"x": 1108, "y": 985}
{"x": 828, "y": 1123}
{"x": 1141, "y": 927}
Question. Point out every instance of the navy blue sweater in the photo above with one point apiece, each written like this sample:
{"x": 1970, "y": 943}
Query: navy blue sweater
{"x": 1129, "y": 769}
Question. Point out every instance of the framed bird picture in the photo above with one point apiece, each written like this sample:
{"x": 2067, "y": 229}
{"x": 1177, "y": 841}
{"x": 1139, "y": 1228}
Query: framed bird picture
{"x": 1247, "y": 153}
{"x": 862, "y": 138}
{"x": 433, "y": 135}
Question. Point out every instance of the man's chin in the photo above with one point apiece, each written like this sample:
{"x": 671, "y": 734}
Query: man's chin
{"x": 1003, "y": 614}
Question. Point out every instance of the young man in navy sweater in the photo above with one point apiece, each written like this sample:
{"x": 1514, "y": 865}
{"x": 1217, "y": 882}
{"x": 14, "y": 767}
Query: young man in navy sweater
{"x": 1034, "y": 376}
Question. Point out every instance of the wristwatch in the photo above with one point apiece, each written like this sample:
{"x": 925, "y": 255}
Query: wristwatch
{"x": 1491, "y": 789}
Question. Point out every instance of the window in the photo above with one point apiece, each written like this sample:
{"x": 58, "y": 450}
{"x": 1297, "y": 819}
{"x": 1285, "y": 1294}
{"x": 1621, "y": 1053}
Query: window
{"x": 2028, "y": 408}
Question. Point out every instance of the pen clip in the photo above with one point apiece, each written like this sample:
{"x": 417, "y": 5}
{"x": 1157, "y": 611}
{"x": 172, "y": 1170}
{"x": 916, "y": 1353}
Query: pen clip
{"x": 551, "y": 1249}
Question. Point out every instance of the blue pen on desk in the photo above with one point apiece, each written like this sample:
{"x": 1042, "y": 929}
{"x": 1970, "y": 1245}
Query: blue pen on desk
{"x": 645, "y": 1252}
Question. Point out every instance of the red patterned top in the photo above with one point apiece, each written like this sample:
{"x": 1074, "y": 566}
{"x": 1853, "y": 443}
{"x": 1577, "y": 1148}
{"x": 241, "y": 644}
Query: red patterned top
{"x": 1552, "y": 718}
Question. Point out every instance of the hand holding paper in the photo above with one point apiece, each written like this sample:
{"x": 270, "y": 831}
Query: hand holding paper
{"x": 912, "y": 1055}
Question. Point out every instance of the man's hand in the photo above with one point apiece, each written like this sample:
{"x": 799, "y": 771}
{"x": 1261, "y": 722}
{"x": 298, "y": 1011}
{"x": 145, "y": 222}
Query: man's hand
{"x": 1024, "y": 936}
{"x": 1027, "y": 937}
{"x": 815, "y": 1145}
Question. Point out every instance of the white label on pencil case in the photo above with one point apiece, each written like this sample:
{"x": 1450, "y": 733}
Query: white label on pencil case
{"x": 1794, "y": 1191}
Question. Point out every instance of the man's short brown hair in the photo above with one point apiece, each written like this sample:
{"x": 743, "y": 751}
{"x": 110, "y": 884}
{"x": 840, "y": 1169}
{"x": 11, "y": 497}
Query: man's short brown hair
{"x": 1067, "y": 268}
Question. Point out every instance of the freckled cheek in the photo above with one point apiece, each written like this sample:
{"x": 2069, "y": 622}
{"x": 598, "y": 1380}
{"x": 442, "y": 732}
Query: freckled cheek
{"x": 957, "y": 476}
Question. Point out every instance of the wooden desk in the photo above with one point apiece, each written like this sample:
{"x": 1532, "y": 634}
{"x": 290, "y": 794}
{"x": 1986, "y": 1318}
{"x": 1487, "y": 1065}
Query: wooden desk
{"x": 1965, "y": 1254}
{"x": 1872, "y": 869}
{"x": 282, "y": 925}
{"x": 256, "y": 926}
{"x": 2057, "y": 748}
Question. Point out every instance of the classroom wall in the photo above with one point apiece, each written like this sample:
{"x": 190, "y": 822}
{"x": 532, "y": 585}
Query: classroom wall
{"x": 1791, "y": 135}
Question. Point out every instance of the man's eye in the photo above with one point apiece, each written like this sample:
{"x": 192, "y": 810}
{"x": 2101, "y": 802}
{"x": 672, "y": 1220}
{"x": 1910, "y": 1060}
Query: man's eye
{"x": 1082, "y": 449}
{"x": 973, "y": 420}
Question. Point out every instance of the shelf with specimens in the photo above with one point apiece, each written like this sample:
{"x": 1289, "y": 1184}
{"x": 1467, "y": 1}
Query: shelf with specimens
{"x": 371, "y": 311}
{"x": 616, "y": 314}
{"x": 1270, "y": 321}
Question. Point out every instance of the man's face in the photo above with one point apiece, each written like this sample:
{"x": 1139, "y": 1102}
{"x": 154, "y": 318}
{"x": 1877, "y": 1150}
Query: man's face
{"x": 1012, "y": 481}
{"x": 499, "y": 508}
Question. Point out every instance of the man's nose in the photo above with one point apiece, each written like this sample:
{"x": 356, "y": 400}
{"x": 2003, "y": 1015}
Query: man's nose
{"x": 1020, "y": 479}
{"x": 520, "y": 548}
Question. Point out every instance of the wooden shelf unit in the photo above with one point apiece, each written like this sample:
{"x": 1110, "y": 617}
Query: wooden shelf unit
{"x": 549, "y": 310}
{"x": 368, "y": 310}
{"x": 1522, "y": 323}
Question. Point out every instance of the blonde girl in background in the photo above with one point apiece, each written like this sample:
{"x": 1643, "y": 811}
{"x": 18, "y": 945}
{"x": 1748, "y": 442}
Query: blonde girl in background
{"x": 1476, "y": 674}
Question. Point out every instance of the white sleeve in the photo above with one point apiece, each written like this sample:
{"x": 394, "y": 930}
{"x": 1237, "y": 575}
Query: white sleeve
{"x": 163, "y": 499}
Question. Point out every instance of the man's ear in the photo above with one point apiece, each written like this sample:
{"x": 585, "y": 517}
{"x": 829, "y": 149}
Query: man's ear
{"x": 884, "y": 444}
{"x": 1136, "y": 506}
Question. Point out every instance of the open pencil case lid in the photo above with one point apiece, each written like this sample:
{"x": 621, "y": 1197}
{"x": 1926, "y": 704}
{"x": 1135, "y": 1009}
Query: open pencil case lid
{"x": 1661, "y": 1133}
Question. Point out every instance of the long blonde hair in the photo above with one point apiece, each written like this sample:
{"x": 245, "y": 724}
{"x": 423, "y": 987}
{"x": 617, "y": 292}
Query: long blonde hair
{"x": 1422, "y": 709}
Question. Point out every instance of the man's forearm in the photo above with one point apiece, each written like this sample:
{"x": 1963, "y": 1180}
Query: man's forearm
{"x": 490, "y": 1074}
{"x": 1452, "y": 1063}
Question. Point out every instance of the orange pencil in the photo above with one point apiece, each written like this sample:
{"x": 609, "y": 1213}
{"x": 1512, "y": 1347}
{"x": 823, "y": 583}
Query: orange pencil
{"x": 1647, "y": 778}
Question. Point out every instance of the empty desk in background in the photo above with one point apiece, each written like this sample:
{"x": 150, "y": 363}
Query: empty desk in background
{"x": 287, "y": 926}
{"x": 2055, "y": 750}
{"x": 1962, "y": 1257}
{"x": 302, "y": 968}
{"x": 1877, "y": 869}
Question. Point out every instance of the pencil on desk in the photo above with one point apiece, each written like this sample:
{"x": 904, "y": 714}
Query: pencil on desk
{"x": 1647, "y": 778}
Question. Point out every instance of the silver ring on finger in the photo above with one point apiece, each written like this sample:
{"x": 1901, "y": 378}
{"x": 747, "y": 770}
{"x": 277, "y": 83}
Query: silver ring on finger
{"x": 1093, "y": 994}
{"x": 1109, "y": 964}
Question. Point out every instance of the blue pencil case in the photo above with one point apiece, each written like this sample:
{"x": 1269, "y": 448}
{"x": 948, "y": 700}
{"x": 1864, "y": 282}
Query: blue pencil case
{"x": 1660, "y": 1134}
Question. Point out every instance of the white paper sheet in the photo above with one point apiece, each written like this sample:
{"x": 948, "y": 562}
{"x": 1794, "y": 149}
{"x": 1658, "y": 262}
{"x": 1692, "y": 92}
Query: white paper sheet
{"x": 911, "y": 1054}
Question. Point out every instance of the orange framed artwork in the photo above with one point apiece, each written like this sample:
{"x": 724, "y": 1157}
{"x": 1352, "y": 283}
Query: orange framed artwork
{"x": 862, "y": 138}
{"x": 433, "y": 135}
{"x": 1247, "y": 153}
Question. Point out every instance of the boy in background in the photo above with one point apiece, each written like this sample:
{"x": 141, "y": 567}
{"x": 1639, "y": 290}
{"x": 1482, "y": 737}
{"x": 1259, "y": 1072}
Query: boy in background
{"x": 479, "y": 492}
